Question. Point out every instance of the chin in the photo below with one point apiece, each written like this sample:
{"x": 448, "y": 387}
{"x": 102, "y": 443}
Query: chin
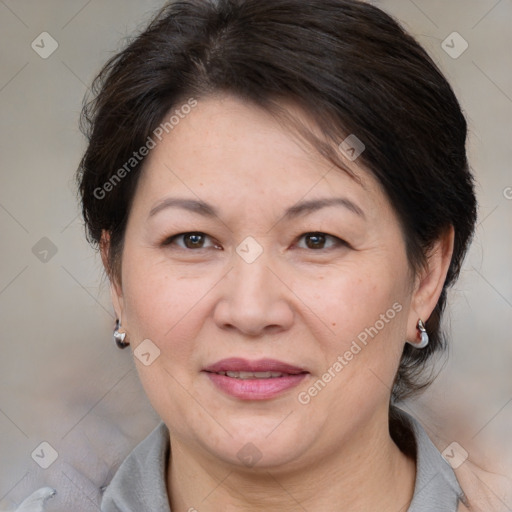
{"x": 261, "y": 444}
{"x": 258, "y": 456}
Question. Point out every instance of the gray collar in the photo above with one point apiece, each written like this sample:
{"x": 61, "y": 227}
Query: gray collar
{"x": 436, "y": 487}
{"x": 140, "y": 483}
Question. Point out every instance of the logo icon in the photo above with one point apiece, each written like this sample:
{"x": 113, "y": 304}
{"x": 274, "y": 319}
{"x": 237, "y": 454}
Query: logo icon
{"x": 147, "y": 352}
{"x": 249, "y": 250}
{"x": 352, "y": 147}
{"x": 249, "y": 455}
{"x": 44, "y": 250}
{"x": 45, "y": 455}
{"x": 454, "y": 45}
{"x": 44, "y": 45}
{"x": 455, "y": 455}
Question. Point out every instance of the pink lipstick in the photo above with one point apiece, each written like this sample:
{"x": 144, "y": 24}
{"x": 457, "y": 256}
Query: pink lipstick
{"x": 254, "y": 380}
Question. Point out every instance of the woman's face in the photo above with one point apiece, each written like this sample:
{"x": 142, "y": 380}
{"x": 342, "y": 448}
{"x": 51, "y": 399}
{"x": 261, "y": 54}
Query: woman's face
{"x": 265, "y": 279}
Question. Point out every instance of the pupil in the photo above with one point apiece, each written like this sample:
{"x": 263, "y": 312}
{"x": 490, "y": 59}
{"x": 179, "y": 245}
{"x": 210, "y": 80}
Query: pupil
{"x": 317, "y": 241}
{"x": 195, "y": 240}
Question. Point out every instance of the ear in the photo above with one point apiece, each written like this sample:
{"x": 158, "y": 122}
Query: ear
{"x": 116, "y": 292}
{"x": 430, "y": 281}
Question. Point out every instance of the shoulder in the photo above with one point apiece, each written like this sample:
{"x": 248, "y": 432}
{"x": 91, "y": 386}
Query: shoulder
{"x": 436, "y": 486}
{"x": 485, "y": 491}
{"x": 477, "y": 489}
{"x": 139, "y": 484}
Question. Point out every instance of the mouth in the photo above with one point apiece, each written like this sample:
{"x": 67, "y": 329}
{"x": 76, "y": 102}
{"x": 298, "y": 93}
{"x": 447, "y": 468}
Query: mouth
{"x": 252, "y": 375}
{"x": 254, "y": 380}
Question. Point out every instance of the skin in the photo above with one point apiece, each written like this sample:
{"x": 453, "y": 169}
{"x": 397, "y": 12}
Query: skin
{"x": 302, "y": 301}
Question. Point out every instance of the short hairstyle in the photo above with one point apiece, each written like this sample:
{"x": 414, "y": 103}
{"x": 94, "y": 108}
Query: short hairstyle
{"x": 347, "y": 64}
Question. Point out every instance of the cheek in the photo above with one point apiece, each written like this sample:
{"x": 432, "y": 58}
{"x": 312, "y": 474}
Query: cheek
{"x": 365, "y": 313}
{"x": 347, "y": 302}
{"x": 170, "y": 310}
{"x": 162, "y": 305}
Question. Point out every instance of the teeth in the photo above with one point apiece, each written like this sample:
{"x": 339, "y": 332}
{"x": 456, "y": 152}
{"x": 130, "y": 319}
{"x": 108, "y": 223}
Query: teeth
{"x": 252, "y": 375}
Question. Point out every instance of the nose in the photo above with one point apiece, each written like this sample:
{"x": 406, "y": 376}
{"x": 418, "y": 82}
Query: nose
{"x": 255, "y": 300}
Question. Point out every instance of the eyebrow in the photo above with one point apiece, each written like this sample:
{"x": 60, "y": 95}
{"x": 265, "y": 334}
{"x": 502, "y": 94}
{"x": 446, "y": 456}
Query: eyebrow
{"x": 302, "y": 208}
{"x": 306, "y": 207}
{"x": 192, "y": 205}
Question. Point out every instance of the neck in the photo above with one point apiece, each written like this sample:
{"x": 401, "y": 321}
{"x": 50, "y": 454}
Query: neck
{"x": 368, "y": 472}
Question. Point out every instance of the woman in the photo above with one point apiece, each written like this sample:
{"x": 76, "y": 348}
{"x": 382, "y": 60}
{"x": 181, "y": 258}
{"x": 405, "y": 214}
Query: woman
{"x": 281, "y": 196}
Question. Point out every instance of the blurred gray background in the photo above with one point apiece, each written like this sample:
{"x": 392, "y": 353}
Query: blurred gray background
{"x": 62, "y": 380}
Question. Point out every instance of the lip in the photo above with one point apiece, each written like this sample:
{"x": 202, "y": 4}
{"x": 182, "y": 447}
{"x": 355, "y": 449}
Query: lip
{"x": 238, "y": 364}
{"x": 254, "y": 389}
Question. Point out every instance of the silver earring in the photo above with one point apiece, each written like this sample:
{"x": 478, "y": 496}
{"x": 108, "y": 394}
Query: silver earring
{"x": 424, "y": 336}
{"x": 119, "y": 337}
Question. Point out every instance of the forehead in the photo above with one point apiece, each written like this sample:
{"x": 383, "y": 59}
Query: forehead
{"x": 233, "y": 152}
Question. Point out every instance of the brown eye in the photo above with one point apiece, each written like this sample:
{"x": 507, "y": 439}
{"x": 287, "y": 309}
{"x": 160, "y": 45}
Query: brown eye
{"x": 190, "y": 241}
{"x": 318, "y": 241}
{"x": 194, "y": 240}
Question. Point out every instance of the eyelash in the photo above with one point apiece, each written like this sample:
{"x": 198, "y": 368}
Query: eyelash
{"x": 338, "y": 241}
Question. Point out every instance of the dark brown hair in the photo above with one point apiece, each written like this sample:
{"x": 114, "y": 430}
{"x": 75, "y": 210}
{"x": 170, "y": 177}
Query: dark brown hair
{"x": 346, "y": 63}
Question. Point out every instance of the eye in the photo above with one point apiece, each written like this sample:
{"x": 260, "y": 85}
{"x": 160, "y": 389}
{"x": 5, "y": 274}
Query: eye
{"x": 318, "y": 241}
{"x": 194, "y": 240}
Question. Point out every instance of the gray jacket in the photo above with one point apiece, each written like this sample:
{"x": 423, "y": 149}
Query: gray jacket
{"x": 140, "y": 483}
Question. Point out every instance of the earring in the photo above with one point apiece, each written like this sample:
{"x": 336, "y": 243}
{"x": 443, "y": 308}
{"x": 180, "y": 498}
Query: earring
{"x": 119, "y": 336}
{"x": 424, "y": 336}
